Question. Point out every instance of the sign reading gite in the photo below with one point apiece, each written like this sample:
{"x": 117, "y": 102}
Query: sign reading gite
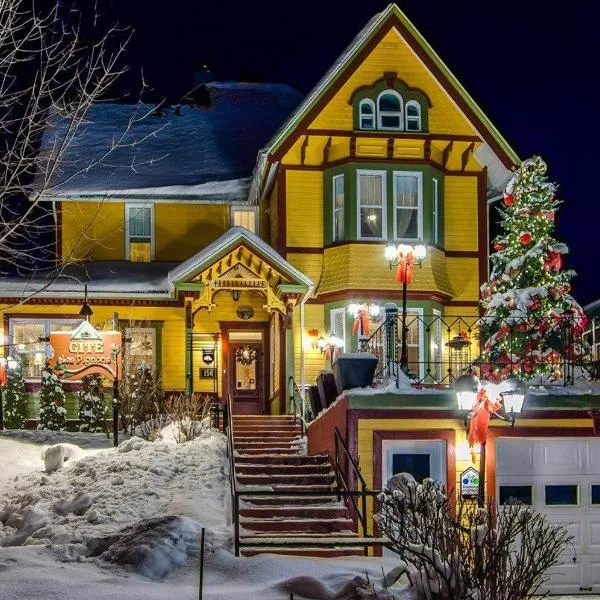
{"x": 84, "y": 351}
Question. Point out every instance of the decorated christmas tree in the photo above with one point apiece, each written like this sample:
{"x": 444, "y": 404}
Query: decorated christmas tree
{"x": 15, "y": 396}
{"x": 530, "y": 322}
{"x": 92, "y": 408}
{"x": 52, "y": 402}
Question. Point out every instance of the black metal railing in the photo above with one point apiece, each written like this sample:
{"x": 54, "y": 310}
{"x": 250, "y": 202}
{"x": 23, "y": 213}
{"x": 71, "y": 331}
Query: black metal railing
{"x": 298, "y": 406}
{"x": 441, "y": 348}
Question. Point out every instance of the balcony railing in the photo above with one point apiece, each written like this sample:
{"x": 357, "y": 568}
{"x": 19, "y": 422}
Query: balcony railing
{"x": 441, "y": 348}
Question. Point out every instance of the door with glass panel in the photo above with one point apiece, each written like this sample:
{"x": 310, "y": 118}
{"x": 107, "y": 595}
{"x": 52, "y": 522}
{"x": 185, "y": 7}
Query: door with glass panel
{"x": 246, "y": 367}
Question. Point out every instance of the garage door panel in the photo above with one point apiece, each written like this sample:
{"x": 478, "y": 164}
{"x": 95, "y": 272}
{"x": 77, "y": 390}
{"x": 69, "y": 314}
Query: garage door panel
{"x": 565, "y": 578}
{"x": 593, "y": 457}
{"x": 594, "y": 530}
{"x": 559, "y": 458}
{"x": 574, "y": 527}
{"x": 514, "y": 457}
{"x": 595, "y": 574}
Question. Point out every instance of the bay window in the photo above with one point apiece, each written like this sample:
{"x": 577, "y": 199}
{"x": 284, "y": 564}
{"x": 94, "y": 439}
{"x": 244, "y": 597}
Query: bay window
{"x": 337, "y": 324}
{"x": 338, "y": 208}
{"x": 371, "y": 201}
{"x": 408, "y": 205}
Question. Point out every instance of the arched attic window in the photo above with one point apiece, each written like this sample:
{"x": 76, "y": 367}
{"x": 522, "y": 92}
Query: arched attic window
{"x": 367, "y": 114}
{"x": 413, "y": 116}
{"x": 389, "y": 110}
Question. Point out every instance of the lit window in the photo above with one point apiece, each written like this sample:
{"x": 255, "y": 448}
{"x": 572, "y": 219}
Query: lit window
{"x": 413, "y": 116}
{"x": 337, "y": 320}
{"x": 338, "y": 208}
{"x": 141, "y": 349}
{"x": 367, "y": 114}
{"x": 139, "y": 243}
{"x": 436, "y": 200}
{"x": 389, "y": 110}
{"x": 25, "y": 342}
{"x": 244, "y": 218}
{"x": 371, "y": 204}
{"x": 407, "y": 204}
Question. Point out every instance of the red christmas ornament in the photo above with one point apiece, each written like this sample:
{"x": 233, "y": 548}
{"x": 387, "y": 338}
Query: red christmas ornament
{"x": 535, "y": 304}
{"x": 509, "y": 199}
{"x": 554, "y": 262}
{"x": 525, "y": 237}
{"x": 499, "y": 246}
{"x": 522, "y": 326}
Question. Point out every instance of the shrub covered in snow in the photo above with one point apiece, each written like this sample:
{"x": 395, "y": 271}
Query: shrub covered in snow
{"x": 52, "y": 402}
{"x": 463, "y": 552}
{"x": 15, "y": 396}
{"x": 92, "y": 408}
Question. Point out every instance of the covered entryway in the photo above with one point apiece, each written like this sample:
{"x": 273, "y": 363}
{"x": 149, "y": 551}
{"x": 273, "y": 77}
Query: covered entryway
{"x": 560, "y": 478}
{"x": 243, "y": 293}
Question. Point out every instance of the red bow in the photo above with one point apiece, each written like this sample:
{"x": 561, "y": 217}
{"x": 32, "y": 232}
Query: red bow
{"x": 406, "y": 269}
{"x": 2, "y": 375}
{"x": 361, "y": 322}
{"x": 553, "y": 262}
{"x": 480, "y": 418}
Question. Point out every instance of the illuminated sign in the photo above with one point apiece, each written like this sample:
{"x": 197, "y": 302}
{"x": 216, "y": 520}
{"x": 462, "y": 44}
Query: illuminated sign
{"x": 84, "y": 351}
{"x": 469, "y": 483}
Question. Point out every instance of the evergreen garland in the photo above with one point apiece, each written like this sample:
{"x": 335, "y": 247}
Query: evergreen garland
{"x": 15, "y": 396}
{"x": 52, "y": 402}
{"x": 92, "y": 408}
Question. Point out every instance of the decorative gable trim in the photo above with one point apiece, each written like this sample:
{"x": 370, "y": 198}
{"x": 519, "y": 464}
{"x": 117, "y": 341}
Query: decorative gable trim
{"x": 392, "y": 81}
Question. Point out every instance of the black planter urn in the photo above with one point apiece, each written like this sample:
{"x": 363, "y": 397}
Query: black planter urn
{"x": 354, "y": 370}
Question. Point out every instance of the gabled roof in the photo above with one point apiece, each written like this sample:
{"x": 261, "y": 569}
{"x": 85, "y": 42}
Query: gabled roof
{"x": 183, "y": 152}
{"x": 352, "y": 56}
{"x": 234, "y": 237}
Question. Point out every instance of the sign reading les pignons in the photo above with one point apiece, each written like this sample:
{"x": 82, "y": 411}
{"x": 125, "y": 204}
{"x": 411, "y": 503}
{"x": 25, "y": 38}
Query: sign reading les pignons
{"x": 84, "y": 351}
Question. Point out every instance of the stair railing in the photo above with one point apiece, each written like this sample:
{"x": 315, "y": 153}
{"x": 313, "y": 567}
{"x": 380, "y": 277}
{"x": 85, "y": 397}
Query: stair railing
{"x": 296, "y": 400}
{"x": 235, "y": 497}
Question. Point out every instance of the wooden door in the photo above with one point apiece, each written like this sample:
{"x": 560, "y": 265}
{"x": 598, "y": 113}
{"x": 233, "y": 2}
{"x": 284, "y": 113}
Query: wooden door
{"x": 246, "y": 375}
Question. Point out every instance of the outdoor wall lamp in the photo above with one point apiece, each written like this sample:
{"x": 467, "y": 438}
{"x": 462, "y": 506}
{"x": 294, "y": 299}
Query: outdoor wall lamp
{"x": 86, "y": 310}
{"x": 466, "y": 388}
{"x": 514, "y": 398}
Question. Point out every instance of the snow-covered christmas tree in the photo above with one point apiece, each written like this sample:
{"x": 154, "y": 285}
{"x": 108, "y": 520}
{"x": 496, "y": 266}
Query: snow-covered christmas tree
{"x": 530, "y": 320}
{"x": 15, "y": 396}
{"x": 52, "y": 401}
{"x": 92, "y": 408}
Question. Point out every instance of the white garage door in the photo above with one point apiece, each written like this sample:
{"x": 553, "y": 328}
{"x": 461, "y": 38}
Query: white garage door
{"x": 560, "y": 478}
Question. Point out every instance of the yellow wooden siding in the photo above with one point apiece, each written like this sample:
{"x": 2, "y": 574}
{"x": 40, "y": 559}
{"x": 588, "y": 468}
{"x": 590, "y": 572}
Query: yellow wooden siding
{"x": 463, "y": 274}
{"x": 394, "y": 54}
{"x": 310, "y": 264}
{"x": 314, "y": 318}
{"x": 460, "y": 213}
{"x": 173, "y": 330}
{"x": 304, "y": 208}
{"x": 93, "y": 231}
{"x": 363, "y": 266}
{"x": 182, "y": 230}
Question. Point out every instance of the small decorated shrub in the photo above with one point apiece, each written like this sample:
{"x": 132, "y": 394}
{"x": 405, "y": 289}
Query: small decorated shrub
{"x": 15, "y": 396}
{"x": 92, "y": 408}
{"x": 52, "y": 402}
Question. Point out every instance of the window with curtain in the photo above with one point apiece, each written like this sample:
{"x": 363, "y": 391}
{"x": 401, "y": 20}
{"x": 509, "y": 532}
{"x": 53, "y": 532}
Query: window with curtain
{"x": 338, "y": 208}
{"x": 407, "y": 205}
{"x": 371, "y": 204}
{"x": 141, "y": 349}
{"x": 413, "y": 116}
{"x": 389, "y": 110}
{"x": 24, "y": 339}
{"x": 337, "y": 319}
{"x": 139, "y": 228}
{"x": 367, "y": 114}
{"x": 244, "y": 218}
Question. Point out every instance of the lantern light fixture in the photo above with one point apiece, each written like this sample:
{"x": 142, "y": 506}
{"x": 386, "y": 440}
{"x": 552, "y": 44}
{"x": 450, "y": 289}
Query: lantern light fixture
{"x": 514, "y": 397}
{"x": 11, "y": 362}
{"x": 466, "y": 387}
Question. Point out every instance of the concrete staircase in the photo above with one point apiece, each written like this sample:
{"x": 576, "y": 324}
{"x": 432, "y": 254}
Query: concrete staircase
{"x": 269, "y": 456}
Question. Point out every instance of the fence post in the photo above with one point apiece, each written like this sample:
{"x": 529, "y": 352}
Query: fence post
{"x": 391, "y": 339}
{"x": 201, "y": 565}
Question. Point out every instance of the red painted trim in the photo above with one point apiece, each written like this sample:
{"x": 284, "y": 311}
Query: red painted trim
{"x": 282, "y": 364}
{"x": 93, "y": 301}
{"x": 496, "y": 432}
{"x": 302, "y": 250}
{"x": 462, "y": 253}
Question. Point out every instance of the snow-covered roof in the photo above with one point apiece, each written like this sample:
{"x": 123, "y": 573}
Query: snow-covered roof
{"x": 183, "y": 152}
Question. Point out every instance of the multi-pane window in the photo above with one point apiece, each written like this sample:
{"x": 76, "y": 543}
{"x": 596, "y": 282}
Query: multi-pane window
{"x": 413, "y": 116}
{"x": 25, "y": 342}
{"x": 337, "y": 318}
{"x": 407, "y": 205}
{"x": 338, "y": 208}
{"x": 141, "y": 349}
{"x": 371, "y": 204}
{"x": 138, "y": 232}
{"x": 389, "y": 110}
{"x": 244, "y": 218}
{"x": 436, "y": 201}
{"x": 413, "y": 340}
{"x": 367, "y": 114}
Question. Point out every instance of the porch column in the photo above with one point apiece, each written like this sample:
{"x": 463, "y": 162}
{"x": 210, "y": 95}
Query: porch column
{"x": 189, "y": 349}
{"x": 289, "y": 349}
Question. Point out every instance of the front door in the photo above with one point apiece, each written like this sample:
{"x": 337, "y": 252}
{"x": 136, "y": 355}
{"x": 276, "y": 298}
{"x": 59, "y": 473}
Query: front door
{"x": 246, "y": 373}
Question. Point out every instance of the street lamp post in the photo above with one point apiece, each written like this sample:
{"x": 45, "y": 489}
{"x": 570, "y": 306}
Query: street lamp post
{"x": 405, "y": 257}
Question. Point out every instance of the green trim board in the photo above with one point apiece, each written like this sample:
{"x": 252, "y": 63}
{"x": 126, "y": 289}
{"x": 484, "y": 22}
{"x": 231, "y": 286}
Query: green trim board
{"x": 349, "y": 170}
{"x": 432, "y": 401}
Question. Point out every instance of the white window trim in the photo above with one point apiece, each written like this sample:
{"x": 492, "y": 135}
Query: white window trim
{"x": 406, "y": 117}
{"x": 387, "y": 113}
{"x": 419, "y": 311}
{"x": 436, "y": 207}
{"x": 373, "y": 116}
{"x": 152, "y": 331}
{"x": 419, "y": 176}
{"x": 245, "y": 208}
{"x": 332, "y": 313}
{"x": 128, "y": 207}
{"x": 335, "y": 209}
{"x": 384, "y": 223}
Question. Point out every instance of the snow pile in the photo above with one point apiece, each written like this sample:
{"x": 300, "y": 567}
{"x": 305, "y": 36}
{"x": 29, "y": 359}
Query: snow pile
{"x": 101, "y": 504}
{"x": 403, "y": 385}
{"x": 56, "y": 456}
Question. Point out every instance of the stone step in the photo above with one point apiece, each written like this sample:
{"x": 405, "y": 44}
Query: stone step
{"x": 317, "y": 511}
{"x": 268, "y": 459}
{"x": 270, "y": 445}
{"x": 293, "y": 501}
{"x": 299, "y": 525}
{"x": 258, "y": 432}
{"x": 317, "y": 552}
{"x": 294, "y": 469}
{"x": 251, "y": 436}
{"x": 250, "y": 451}
{"x": 272, "y": 479}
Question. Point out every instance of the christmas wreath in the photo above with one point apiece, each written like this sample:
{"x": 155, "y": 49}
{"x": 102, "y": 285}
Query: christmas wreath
{"x": 245, "y": 355}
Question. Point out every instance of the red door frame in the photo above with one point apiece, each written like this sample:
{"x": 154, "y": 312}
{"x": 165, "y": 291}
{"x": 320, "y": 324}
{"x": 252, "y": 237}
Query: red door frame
{"x": 262, "y": 326}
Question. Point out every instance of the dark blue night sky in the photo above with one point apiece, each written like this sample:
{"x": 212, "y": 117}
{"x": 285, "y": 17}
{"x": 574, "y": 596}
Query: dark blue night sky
{"x": 530, "y": 65}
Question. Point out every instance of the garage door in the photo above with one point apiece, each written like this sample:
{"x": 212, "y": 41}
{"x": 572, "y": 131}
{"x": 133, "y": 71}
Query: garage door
{"x": 560, "y": 478}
